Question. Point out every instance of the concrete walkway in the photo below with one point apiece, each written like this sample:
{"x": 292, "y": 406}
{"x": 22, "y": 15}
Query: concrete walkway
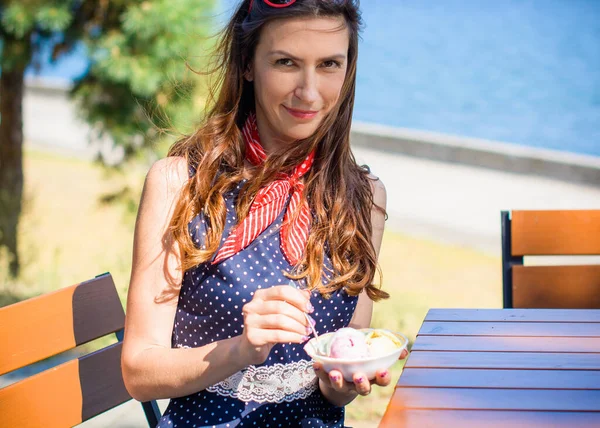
{"x": 461, "y": 204}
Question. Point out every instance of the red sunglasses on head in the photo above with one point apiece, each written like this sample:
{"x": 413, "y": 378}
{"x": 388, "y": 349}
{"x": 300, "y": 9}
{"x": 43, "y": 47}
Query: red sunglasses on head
{"x": 274, "y": 3}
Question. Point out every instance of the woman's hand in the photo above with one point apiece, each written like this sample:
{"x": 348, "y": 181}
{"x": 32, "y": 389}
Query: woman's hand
{"x": 274, "y": 315}
{"x": 341, "y": 392}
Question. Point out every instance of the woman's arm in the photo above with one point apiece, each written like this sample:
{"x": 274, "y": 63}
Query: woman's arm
{"x": 333, "y": 386}
{"x": 151, "y": 369}
{"x": 364, "y": 307}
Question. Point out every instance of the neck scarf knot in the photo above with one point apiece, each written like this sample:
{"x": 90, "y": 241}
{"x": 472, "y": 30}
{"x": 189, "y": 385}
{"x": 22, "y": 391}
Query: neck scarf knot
{"x": 268, "y": 204}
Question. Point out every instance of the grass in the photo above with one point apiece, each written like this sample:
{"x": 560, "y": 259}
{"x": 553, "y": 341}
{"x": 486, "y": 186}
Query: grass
{"x": 67, "y": 235}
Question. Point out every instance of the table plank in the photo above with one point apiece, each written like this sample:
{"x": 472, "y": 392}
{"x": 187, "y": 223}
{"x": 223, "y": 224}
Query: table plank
{"x": 503, "y": 360}
{"x": 507, "y": 344}
{"x": 486, "y": 378}
{"x": 497, "y": 368}
{"x": 396, "y": 417}
{"x": 514, "y": 315}
{"x": 523, "y": 329}
{"x": 497, "y": 399}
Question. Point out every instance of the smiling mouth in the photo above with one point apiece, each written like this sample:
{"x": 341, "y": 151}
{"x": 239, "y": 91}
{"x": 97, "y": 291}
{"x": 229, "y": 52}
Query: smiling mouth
{"x": 301, "y": 114}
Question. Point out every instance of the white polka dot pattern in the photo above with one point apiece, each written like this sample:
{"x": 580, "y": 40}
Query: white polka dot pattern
{"x": 210, "y": 309}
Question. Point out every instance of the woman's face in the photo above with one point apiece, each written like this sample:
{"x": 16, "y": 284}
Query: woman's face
{"x": 298, "y": 71}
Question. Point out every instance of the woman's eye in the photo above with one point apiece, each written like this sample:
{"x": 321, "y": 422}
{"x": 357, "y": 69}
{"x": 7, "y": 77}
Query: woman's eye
{"x": 331, "y": 64}
{"x": 284, "y": 61}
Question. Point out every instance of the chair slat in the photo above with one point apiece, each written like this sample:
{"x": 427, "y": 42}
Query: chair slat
{"x": 101, "y": 382}
{"x": 49, "y": 399}
{"x": 47, "y": 325}
{"x": 576, "y": 287}
{"x": 66, "y": 395}
{"x": 570, "y": 232}
{"x": 97, "y": 309}
{"x": 396, "y": 417}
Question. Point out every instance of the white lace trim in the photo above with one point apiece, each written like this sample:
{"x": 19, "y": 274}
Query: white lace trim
{"x": 273, "y": 384}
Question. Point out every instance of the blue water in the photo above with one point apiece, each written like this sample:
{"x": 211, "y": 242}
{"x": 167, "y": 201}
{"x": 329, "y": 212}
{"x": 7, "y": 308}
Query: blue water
{"x": 519, "y": 71}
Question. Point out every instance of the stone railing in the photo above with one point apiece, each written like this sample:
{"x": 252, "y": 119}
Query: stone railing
{"x": 513, "y": 158}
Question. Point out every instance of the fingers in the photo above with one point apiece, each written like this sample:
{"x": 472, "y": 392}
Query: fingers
{"x": 318, "y": 368}
{"x": 361, "y": 384}
{"x": 298, "y": 298}
{"x": 383, "y": 378}
{"x": 334, "y": 378}
{"x": 404, "y": 354}
{"x": 261, "y": 337}
{"x": 278, "y": 307}
{"x": 277, "y": 315}
{"x": 278, "y": 322}
{"x": 337, "y": 382}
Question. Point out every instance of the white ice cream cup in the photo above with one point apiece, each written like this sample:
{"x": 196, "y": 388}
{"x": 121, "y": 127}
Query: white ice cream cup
{"x": 348, "y": 367}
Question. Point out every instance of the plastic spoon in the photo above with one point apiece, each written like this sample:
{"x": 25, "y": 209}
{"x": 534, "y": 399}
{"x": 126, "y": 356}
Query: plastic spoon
{"x": 317, "y": 345}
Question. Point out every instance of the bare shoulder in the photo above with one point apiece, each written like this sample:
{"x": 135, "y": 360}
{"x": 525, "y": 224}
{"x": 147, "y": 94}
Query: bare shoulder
{"x": 378, "y": 190}
{"x": 168, "y": 175}
{"x": 162, "y": 187}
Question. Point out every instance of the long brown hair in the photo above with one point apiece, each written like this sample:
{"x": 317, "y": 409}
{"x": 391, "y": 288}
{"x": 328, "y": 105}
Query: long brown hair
{"x": 337, "y": 189}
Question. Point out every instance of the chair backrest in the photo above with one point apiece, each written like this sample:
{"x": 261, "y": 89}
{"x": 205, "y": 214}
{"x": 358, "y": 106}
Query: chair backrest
{"x": 551, "y": 232}
{"x": 47, "y": 325}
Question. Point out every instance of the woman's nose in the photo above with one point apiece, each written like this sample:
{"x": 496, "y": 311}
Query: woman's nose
{"x": 307, "y": 90}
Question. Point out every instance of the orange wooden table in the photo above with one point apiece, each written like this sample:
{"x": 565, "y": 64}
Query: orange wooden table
{"x": 501, "y": 368}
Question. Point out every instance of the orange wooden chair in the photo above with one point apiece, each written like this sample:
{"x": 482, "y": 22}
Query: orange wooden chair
{"x": 536, "y": 233}
{"x": 73, "y": 392}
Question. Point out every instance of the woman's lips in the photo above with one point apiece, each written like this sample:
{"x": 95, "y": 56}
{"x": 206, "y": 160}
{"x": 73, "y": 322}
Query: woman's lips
{"x": 301, "y": 114}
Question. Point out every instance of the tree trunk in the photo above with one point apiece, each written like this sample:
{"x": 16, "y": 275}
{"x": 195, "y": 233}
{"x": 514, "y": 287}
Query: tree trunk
{"x": 11, "y": 161}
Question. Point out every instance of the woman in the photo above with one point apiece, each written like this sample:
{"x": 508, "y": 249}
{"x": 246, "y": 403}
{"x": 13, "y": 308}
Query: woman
{"x": 265, "y": 194}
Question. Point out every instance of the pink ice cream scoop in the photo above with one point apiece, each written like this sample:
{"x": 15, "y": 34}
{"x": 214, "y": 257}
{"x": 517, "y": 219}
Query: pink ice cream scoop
{"x": 348, "y": 343}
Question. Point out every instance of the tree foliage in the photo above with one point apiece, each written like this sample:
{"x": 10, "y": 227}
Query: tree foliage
{"x": 138, "y": 52}
{"x": 137, "y": 82}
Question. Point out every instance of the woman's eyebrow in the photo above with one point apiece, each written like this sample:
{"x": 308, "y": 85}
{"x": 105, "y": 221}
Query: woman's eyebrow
{"x": 289, "y": 55}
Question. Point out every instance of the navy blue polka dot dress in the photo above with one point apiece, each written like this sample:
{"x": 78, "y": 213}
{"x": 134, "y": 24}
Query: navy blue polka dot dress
{"x": 281, "y": 392}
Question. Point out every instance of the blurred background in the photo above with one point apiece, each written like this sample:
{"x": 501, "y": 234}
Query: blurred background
{"x": 463, "y": 108}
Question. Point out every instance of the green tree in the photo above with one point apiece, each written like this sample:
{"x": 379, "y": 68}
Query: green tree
{"x": 137, "y": 77}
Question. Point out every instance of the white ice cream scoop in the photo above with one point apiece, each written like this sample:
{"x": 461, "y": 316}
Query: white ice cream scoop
{"x": 348, "y": 343}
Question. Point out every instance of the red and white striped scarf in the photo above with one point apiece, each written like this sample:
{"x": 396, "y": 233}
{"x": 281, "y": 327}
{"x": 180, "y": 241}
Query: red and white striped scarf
{"x": 269, "y": 202}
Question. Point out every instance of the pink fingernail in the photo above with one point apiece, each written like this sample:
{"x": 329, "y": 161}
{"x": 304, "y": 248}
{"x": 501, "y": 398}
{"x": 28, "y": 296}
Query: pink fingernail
{"x": 359, "y": 379}
{"x": 310, "y": 308}
{"x": 305, "y": 338}
{"x": 335, "y": 378}
{"x": 383, "y": 374}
